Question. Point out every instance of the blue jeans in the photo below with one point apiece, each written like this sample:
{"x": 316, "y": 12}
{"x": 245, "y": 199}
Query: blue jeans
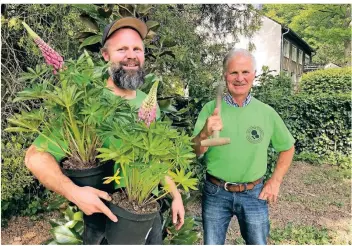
{"x": 219, "y": 206}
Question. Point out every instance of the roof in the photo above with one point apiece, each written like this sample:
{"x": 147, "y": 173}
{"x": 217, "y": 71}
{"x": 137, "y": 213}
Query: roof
{"x": 297, "y": 38}
{"x": 294, "y": 36}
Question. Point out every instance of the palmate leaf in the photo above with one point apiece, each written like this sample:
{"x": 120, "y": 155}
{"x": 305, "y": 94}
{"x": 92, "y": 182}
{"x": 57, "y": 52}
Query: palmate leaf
{"x": 93, "y": 112}
{"x": 26, "y": 121}
{"x": 184, "y": 179}
{"x": 37, "y": 92}
{"x": 111, "y": 153}
{"x": 183, "y": 155}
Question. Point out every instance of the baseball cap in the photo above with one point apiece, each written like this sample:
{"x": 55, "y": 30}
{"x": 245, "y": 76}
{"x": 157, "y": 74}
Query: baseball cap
{"x": 131, "y": 22}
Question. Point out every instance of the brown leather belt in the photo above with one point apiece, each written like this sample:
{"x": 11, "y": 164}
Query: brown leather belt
{"x": 233, "y": 187}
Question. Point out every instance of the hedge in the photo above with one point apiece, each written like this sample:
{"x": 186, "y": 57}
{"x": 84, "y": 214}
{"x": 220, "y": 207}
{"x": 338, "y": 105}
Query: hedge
{"x": 319, "y": 123}
{"x": 332, "y": 81}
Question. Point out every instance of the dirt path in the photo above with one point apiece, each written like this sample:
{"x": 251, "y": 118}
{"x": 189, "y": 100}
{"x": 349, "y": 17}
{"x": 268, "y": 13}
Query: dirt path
{"x": 24, "y": 231}
{"x": 315, "y": 196}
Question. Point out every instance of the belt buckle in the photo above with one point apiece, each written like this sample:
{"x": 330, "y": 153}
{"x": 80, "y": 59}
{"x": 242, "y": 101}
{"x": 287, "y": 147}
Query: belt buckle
{"x": 226, "y": 183}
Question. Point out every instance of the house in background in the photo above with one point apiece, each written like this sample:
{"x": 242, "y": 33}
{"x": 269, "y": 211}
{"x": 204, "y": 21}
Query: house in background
{"x": 279, "y": 48}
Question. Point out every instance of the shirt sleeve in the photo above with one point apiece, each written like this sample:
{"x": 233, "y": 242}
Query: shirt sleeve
{"x": 202, "y": 117}
{"x": 281, "y": 139}
{"x": 43, "y": 144}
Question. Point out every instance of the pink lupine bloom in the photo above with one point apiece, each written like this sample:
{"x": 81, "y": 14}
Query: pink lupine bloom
{"x": 147, "y": 111}
{"x": 50, "y": 55}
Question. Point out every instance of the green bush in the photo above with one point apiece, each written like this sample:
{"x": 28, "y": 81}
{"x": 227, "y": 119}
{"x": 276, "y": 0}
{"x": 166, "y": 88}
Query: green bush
{"x": 332, "y": 81}
{"x": 319, "y": 123}
{"x": 15, "y": 177}
{"x": 272, "y": 88}
{"x": 309, "y": 157}
{"x": 20, "y": 192}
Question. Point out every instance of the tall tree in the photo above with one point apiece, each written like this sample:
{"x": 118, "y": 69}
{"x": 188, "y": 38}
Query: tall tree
{"x": 326, "y": 27}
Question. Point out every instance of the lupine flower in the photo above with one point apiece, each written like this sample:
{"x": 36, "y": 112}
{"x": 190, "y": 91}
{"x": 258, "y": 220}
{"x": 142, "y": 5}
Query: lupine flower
{"x": 147, "y": 111}
{"x": 50, "y": 55}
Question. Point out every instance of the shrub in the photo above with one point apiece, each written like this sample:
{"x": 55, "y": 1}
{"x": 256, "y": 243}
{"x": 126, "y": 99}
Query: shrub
{"x": 272, "y": 88}
{"x": 20, "y": 192}
{"x": 308, "y": 157}
{"x": 332, "y": 81}
{"x": 319, "y": 123}
{"x": 15, "y": 177}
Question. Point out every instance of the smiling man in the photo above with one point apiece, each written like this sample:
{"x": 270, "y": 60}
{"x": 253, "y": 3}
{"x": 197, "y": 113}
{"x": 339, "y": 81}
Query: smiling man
{"x": 234, "y": 180}
{"x": 122, "y": 46}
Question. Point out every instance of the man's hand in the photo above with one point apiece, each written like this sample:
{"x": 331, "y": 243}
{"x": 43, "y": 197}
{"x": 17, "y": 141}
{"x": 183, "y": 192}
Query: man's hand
{"x": 270, "y": 191}
{"x": 213, "y": 123}
{"x": 178, "y": 212}
{"x": 88, "y": 200}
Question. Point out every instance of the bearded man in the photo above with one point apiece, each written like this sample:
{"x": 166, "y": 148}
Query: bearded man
{"x": 123, "y": 47}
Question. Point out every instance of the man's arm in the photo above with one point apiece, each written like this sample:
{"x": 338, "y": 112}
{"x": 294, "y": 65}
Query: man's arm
{"x": 177, "y": 208}
{"x": 46, "y": 169}
{"x": 213, "y": 123}
{"x": 272, "y": 186}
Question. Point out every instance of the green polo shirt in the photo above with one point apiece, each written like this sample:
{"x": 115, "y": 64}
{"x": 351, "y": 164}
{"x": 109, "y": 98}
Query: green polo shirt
{"x": 251, "y": 129}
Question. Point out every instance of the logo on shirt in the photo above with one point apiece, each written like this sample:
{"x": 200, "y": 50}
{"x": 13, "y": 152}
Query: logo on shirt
{"x": 255, "y": 134}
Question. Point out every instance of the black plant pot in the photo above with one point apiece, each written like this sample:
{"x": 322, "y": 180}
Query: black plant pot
{"x": 92, "y": 177}
{"x": 130, "y": 228}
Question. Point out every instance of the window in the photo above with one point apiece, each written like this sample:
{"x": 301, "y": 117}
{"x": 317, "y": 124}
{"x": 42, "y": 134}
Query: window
{"x": 306, "y": 60}
{"x": 300, "y": 57}
{"x": 286, "y": 48}
{"x": 294, "y": 77}
{"x": 294, "y": 53}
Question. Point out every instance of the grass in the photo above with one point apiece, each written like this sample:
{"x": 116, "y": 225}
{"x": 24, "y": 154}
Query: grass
{"x": 330, "y": 174}
{"x": 300, "y": 234}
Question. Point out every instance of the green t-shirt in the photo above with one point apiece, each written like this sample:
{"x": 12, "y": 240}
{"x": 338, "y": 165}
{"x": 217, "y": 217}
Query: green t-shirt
{"x": 59, "y": 154}
{"x": 250, "y": 128}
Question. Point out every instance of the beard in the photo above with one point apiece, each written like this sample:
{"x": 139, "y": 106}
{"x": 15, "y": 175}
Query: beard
{"x": 126, "y": 79}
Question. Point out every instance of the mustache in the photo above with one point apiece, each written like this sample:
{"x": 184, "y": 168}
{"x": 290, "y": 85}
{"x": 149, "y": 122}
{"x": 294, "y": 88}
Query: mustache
{"x": 130, "y": 62}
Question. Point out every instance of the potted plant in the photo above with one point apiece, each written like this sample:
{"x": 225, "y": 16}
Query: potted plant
{"x": 72, "y": 107}
{"x": 148, "y": 152}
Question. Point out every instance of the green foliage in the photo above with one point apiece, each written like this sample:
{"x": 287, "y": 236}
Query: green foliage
{"x": 323, "y": 26}
{"x": 339, "y": 159}
{"x": 189, "y": 233}
{"x": 319, "y": 123}
{"x": 32, "y": 202}
{"x": 69, "y": 228}
{"x": 299, "y": 234}
{"x": 54, "y": 23}
{"x": 272, "y": 88}
{"x": 15, "y": 177}
{"x": 147, "y": 154}
{"x": 332, "y": 80}
{"x": 73, "y": 107}
{"x": 272, "y": 158}
{"x": 309, "y": 157}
